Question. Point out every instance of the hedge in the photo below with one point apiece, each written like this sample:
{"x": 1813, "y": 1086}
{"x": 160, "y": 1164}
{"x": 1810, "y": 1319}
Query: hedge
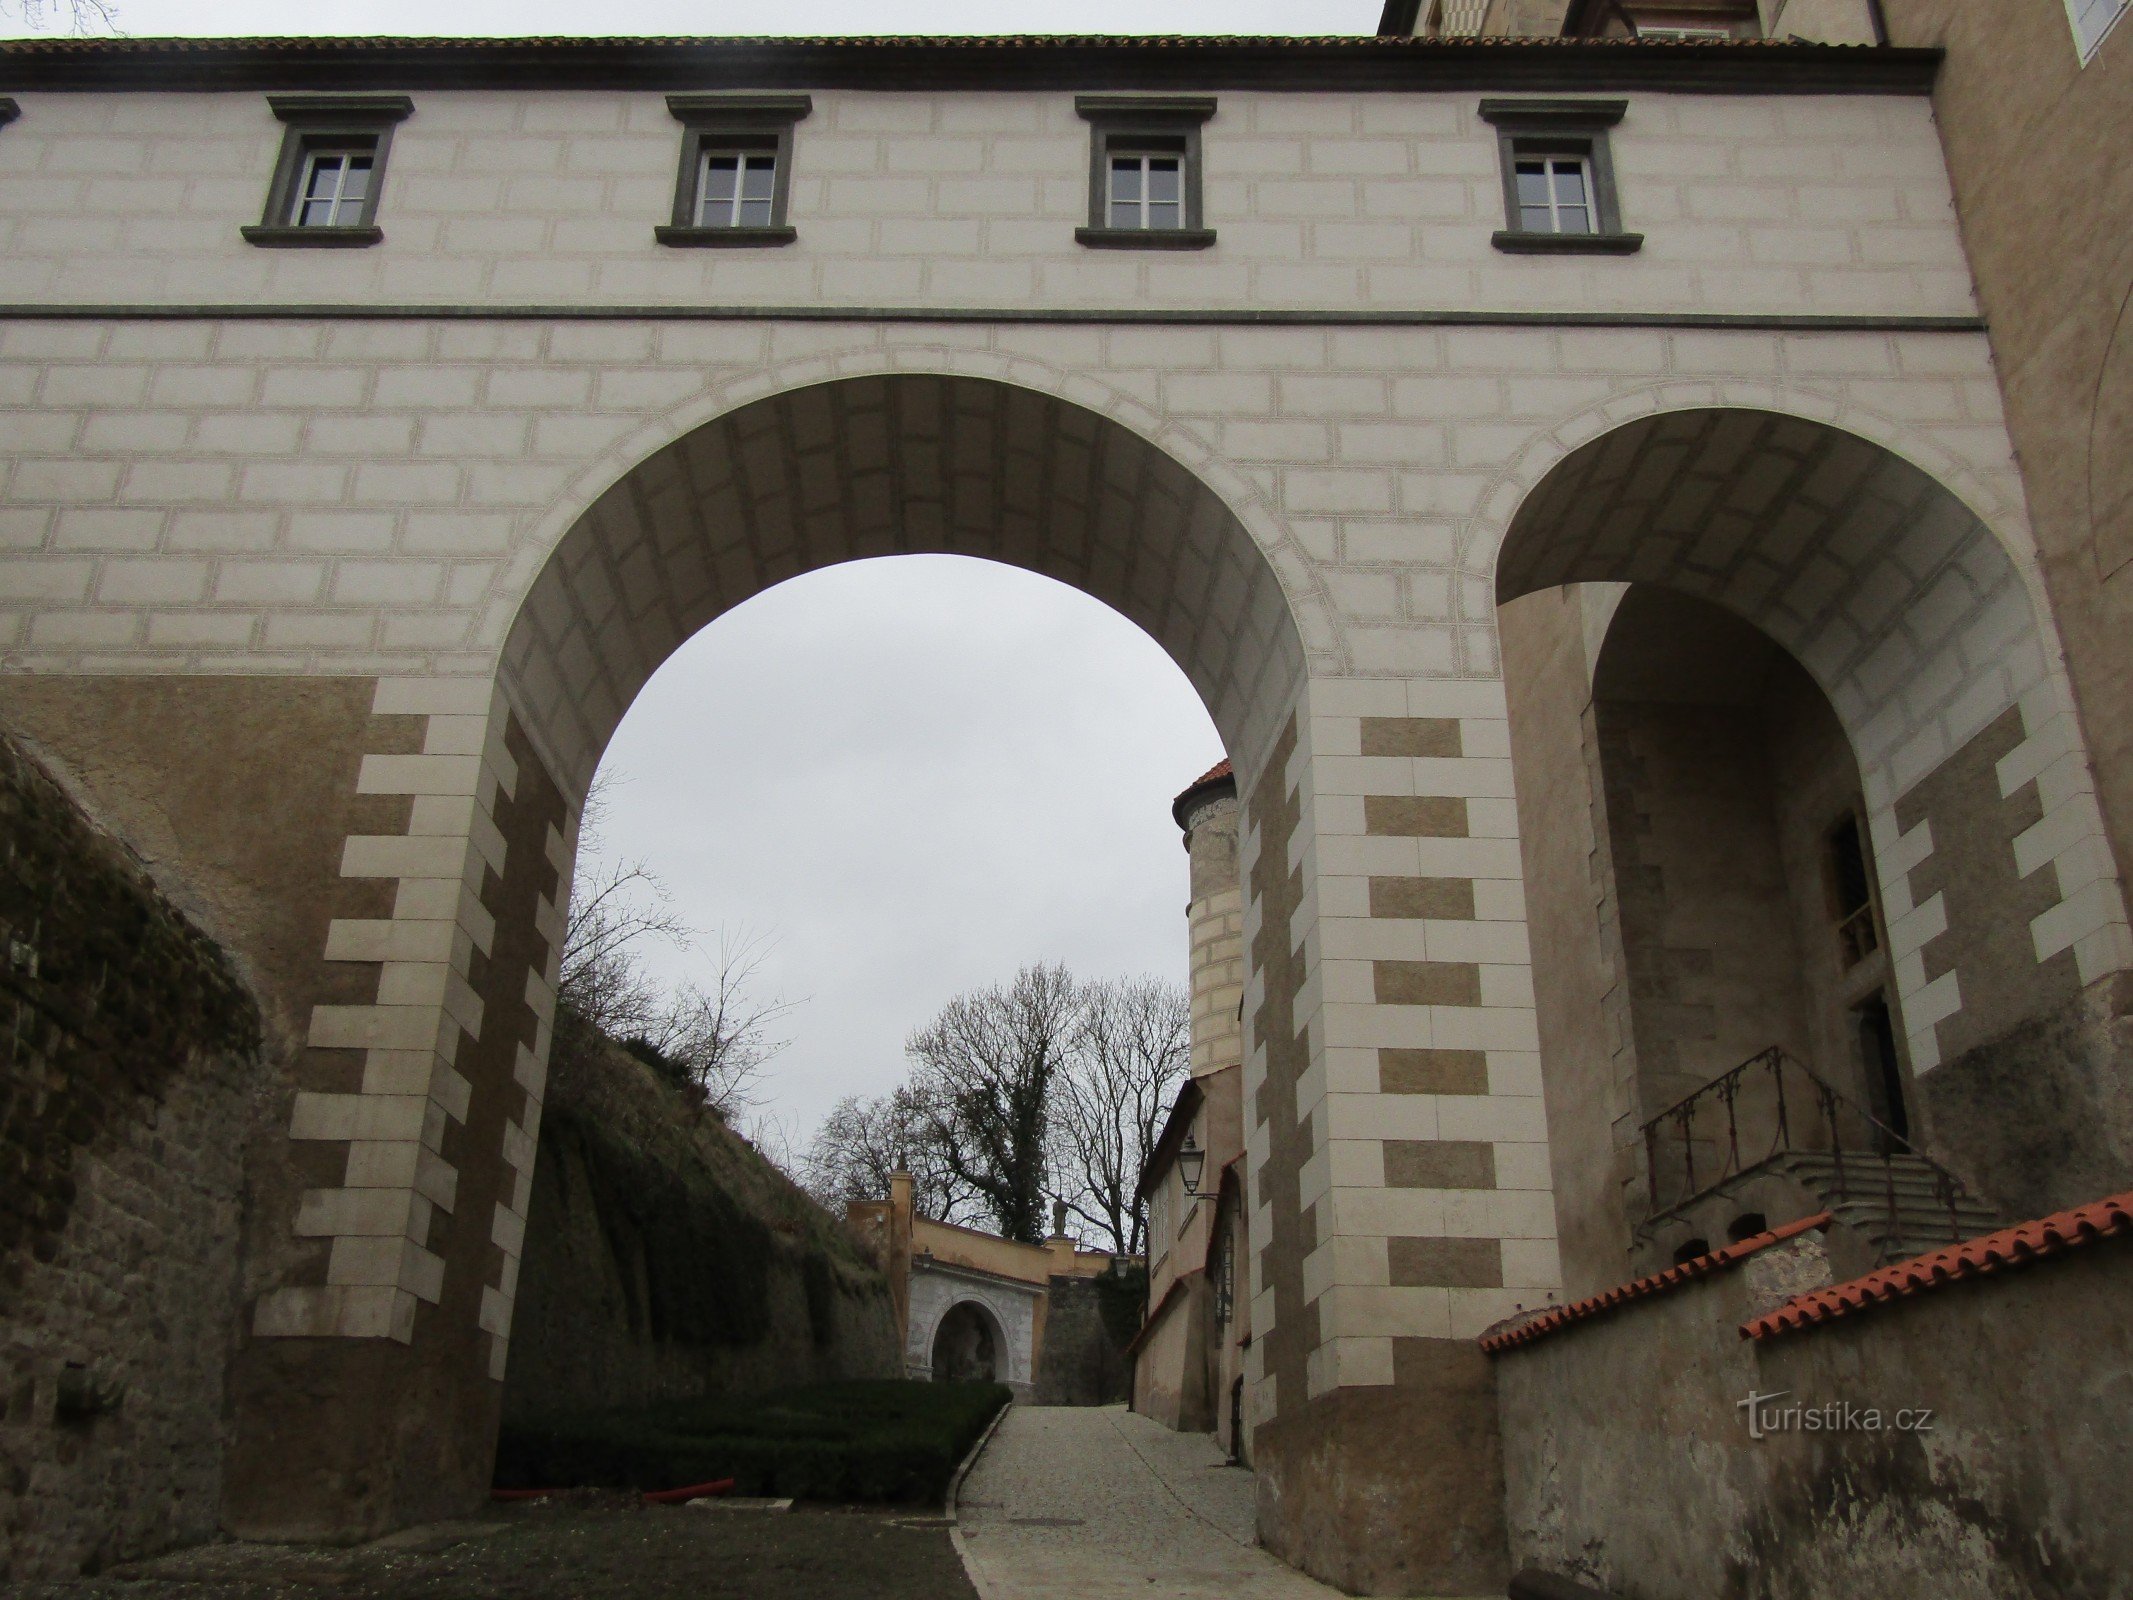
{"x": 879, "y": 1441}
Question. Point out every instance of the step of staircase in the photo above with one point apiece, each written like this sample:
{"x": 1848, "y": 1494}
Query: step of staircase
{"x": 1920, "y": 1219}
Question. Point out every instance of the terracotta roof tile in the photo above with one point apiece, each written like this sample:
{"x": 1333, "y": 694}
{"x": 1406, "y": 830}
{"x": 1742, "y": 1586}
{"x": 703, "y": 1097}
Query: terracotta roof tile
{"x": 1217, "y": 774}
{"x": 1658, "y": 1283}
{"x": 2023, "y": 1245}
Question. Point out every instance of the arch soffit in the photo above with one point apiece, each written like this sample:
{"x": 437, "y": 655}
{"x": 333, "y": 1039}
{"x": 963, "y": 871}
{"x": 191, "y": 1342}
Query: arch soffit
{"x": 1296, "y": 578}
{"x": 1994, "y": 504}
{"x": 1185, "y": 446}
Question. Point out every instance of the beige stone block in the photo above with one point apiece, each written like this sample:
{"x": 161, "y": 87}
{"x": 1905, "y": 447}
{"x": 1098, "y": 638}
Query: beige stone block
{"x": 375, "y": 1027}
{"x": 370, "y": 1212}
{"x": 508, "y": 1230}
{"x": 418, "y": 775}
{"x": 357, "y": 1116}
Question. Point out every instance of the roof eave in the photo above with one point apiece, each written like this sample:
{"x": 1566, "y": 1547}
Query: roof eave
{"x": 1359, "y": 65}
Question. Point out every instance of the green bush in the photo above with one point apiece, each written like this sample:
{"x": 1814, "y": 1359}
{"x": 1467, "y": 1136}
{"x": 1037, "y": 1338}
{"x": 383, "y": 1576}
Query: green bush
{"x": 883, "y": 1441}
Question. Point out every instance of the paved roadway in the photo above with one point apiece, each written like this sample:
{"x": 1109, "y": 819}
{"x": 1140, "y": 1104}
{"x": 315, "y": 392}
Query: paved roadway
{"x": 1095, "y": 1503}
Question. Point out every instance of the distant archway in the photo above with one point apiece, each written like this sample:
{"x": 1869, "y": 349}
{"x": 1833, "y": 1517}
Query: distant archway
{"x": 969, "y": 1345}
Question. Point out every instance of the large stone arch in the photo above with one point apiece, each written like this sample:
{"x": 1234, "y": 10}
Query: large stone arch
{"x": 1923, "y": 628}
{"x": 885, "y": 464}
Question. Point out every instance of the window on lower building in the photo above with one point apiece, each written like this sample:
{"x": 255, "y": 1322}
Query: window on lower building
{"x": 2092, "y": 20}
{"x": 736, "y": 169}
{"x": 1852, "y": 891}
{"x": 1558, "y": 177}
{"x": 1144, "y": 172}
{"x": 327, "y": 182}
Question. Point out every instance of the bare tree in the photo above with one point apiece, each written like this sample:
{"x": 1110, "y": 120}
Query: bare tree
{"x": 987, "y": 1066}
{"x": 1130, "y": 1052}
{"x": 82, "y": 17}
{"x": 862, "y": 1142}
{"x": 710, "y": 1039}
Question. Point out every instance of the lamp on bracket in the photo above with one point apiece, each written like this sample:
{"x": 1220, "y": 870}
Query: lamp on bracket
{"x": 1192, "y": 1161}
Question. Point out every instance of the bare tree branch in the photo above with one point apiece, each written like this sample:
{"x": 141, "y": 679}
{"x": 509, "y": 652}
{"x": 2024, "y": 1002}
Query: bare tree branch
{"x": 712, "y": 1038}
{"x": 1130, "y": 1053}
{"x": 987, "y": 1065}
{"x": 83, "y": 17}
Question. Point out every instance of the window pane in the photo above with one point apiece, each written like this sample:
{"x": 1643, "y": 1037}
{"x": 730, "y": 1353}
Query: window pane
{"x": 325, "y": 176}
{"x": 1163, "y": 180}
{"x": 1533, "y": 184}
{"x": 356, "y": 182}
{"x": 1535, "y": 219}
{"x": 714, "y": 200}
{"x": 1165, "y": 214}
{"x": 1573, "y": 219}
{"x": 1125, "y": 178}
{"x": 1570, "y": 183}
{"x": 756, "y": 180}
{"x": 754, "y": 214}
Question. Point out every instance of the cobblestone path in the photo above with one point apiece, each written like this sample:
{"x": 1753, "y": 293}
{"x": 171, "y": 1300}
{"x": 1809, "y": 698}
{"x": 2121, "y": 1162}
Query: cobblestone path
{"x": 1079, "y": 1503}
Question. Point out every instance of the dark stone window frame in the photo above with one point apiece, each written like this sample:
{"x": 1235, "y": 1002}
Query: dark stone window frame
{"x": 309, "y": 122}
{"x": 1167, "y": 122}
{"x": 1526, "y": 128}
{"x": 740, "y": 122}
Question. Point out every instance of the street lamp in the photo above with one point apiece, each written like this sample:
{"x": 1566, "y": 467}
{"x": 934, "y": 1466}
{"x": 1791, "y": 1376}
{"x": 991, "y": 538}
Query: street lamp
{"x": 1191, "y": 1161}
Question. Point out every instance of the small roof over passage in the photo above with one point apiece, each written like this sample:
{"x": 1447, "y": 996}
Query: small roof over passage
{"x": 878, "y": 466}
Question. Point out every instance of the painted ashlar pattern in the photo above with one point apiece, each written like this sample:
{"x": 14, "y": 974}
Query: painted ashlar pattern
{"x": 310, "y": 495}
{"x": 1375, "y": 470}
{"x": 1794, "y": 203}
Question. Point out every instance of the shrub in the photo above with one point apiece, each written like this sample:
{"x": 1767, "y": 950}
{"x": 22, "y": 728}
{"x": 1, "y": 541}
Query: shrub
{"x": 875, "y": 1442}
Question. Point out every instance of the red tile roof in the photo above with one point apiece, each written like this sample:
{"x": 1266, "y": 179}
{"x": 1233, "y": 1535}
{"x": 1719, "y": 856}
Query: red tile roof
{"x": 1214, "y": 776}
{"x": 2023, "y": 1245}
{"x": 1658, "y": 1283}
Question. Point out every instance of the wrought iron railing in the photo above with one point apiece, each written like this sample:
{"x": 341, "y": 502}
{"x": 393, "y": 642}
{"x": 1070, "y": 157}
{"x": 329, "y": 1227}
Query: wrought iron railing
{"x": 1769, "y": 1106}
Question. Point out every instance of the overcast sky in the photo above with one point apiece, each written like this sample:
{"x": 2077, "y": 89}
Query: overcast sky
{"x": 908, "y": 777}
{"x": 143, "y": 18}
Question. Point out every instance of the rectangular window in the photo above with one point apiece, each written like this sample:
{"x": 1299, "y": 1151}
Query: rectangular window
{"x": 1144, "y": 172}
{"x": 1558, "y": 177}
{"x": 735, "y": 179}
{"x": 335, "y": 188}
{"x": 327, "y": 181}
{"x": 1147, "y": 191}
{"x": 1554, "y": 195}
{"x": 736, "y": 189}
{"x": 1851, "y": 886}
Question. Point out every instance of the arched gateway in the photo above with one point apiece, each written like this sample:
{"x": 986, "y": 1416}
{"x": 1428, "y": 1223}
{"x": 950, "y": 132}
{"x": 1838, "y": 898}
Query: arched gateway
{"x": 328, "y": 574}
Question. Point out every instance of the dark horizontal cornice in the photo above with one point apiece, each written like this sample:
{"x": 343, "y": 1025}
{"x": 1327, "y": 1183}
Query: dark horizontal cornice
{"x": 1344, "y": 64}
{"x": 1121, "y": 316}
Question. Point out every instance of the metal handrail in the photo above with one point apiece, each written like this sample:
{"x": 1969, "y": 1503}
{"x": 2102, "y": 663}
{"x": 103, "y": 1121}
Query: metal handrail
{"x": 1832, "y": 1110}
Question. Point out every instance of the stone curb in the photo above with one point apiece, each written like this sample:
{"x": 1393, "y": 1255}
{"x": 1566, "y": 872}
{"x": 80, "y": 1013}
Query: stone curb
{"x": 955, "y": 1493}
{"x": 955, "y": 1484}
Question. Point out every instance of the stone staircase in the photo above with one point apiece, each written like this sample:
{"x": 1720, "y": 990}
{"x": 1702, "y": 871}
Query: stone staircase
{"x": 1898, "y": 1202}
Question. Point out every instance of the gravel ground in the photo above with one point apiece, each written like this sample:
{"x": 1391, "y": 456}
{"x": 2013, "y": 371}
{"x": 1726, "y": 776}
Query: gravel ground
{"x": 580, "y": 1549}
